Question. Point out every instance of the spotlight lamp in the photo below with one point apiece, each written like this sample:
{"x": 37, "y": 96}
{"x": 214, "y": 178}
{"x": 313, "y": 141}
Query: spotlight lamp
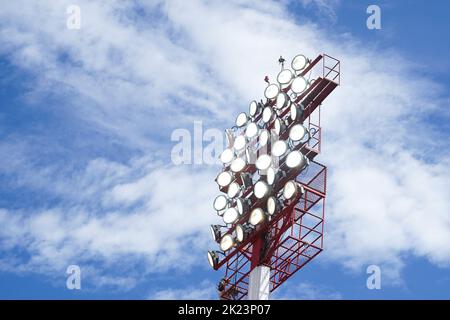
{"x": 267, "y": 114}
{"x": 227, "y": 156}
{"x": 227, "y": 242}
{"x": 299, "y": 62}
{"x": 271, "y": 91}
{"x": 257, "y": 217}
{"x": 220, "y": 204}
{"x": 263, "y": 162}
{"x": 252, "y": 130}
{"x": 253, "y": 108}
{"x": 295, "y": 159}
{"x": 292, "y": 189}
{"x": 264, "y": 137}
{"x": 273, "y": 205}
{"x": 285, "y": 77}
{"x": 224, "y": 179}
{"x": 299, "y": 84}
{"x": 234, "y": 190}
{"x": 238, "y": 164}
{"x": 298, "y": 133}
{"x": 241, "y": 119}
{"x": 230, "y": 215}
{"x": 242, "y": 232}
{"x": 283, "y": 101}
{"x": 242, "y": 205}
{"x": 279, "y": 148}
{"x": 261, "y": 189}
{"x": 279, "y": 126}
{"x": 296, "y": 112}
{"x": 215, "y": 232}
{"x": 239, "y": 143}
{"x": 213, "y": 259}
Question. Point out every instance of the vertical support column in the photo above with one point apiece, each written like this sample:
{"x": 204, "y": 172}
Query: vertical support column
{"x": 259, "y": 283}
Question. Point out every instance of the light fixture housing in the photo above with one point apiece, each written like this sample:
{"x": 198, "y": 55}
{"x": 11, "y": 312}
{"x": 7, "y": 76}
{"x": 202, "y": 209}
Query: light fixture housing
{"x": 299, "y": 84}
{"x": 271, "y": 91}
{"x": 299, "y": 62}
{"x": 252, "y": 130}
{"x": 239, "y": 143}
{"x": 291, "y": 189}
{"x": 267, "y": 114}
{"x": 234, "y": 190}
{"x": 279, "y": 148}
{"x": 238, "y": 164}
{"x": 224, "y": 179}
{"x": 242, "y": 232}
{"x": 215, "y": 232}
{"x": 241, "y": 119}
{"x": 227, "y": 242}
{"x": 213, "y": 259}
{"x": 220, "y": 203}
{"x": 297, "y": 132}
{"x": 230, "y": 215}
{"x": 263, "y": 162}
{"x": 295, "y": 159}
{"x": 273, "y": 205}
{"x": 227, "y": 156}
{"x": 261, "y": 189}
{"x": 257, "y": 216}
{"x": 284, "y": 77}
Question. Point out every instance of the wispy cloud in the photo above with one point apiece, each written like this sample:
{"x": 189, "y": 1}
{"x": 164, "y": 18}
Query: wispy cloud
{"x": 133, "y": 63}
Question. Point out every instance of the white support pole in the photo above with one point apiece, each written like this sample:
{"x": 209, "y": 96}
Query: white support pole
{"x": 259, "y": 283}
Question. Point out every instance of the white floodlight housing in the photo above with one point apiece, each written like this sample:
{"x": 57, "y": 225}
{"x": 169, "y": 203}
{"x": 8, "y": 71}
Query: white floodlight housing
{"x": 261, "y": 189}
{"x": 271, "y": 91}
{"x": 285, "y": 76}
{"x": 233, "y": 190}
{"x": 230, "y": 215}
{"x": 252, "y": 130}
{"x": 263, "y": 162}
{"x": 227, "y": 156}
{"x": 279, "y": 148}
{"x": 239, "y": 143}
{"x": 270, "y": 174}
{"x": 279, "y": 126}
{"x": 264, "y": 137}
{"x": 224, "y": 178}
{"x": 213, "y": 259}
{"x": 267, "y": 114}
{"x": 238, "y": 164}
{"x": 299, "y": 62}
{"x": 295, "y": 159}
{"x": 242, "y": 232}
{"x": 273, "y": 205}
{"x": 282, "y": 101}
{"x": 220, "y": 203}
{"x": 297, "y": 132}
{"x": 257, "y": 216}
{"x": 299, "y": 84}
{"x": 291, "y": 189}
{"x": 253, "y": 108}
{"x": 227, "y": 242}
{"x": 241, "y": 119}
{"x": 215, "y": 232}
{"x": 242, "y": 205}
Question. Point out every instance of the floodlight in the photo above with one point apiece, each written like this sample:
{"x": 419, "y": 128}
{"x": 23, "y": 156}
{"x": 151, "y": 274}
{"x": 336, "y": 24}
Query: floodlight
{"x": 239, "y": 142}
{"x": 279, "y": 148}
{"x": 227, "y": 156}
{"x": 233, "y": 190}
{"x": 261, "y": 189}
{"x": 252, "y": 130}
{"x": 241, "y": 119}
{"x": 295, "y": 159}
{"x": 282, "y": 101}
{"x": 264, "y": 136}
{"x": 257, "y": 216}
{"x": 253, "y": 108}
{"x": 267, "y": 114}
{"x": 284, "y": 77}
{"x": 273, "y": 205}
{"x": 271, "y": 91}
{"x": 215, "y": 231}
{"x": 296, "y": 112}
{"x": 237, "y": 165}
{"x": 213, "y": 259}
{"x": 242, "y": 205}
{"x": 230, "y": 215}
{"x": 220, "y": 203}
{"x": 292, "y": 188}
{"x": 230, "y": 137}
{"x": 263, "y": 162}
{"x": 224, "y": 178}
{"x": 299, "y": 62}
{"x": 279, "y": 126}
{"x": 270, "y": 175}
{"x": 227, "y": 242}
{"x": 299, "y": 84}
{"x": 242, "y": 232}
{"x": 297, "y": 132}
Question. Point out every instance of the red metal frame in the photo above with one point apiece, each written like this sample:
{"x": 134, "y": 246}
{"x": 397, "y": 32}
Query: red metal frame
{"x": 294, "y": 236}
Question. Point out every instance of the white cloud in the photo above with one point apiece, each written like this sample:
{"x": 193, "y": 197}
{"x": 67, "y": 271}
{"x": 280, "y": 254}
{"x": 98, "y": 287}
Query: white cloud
{"x": 306, "y": 291}
{"x": 204, "y": 291}
{"x": 388, "y": 173}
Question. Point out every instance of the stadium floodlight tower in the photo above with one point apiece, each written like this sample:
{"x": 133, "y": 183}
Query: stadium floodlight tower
{"x": 273, "y": 204}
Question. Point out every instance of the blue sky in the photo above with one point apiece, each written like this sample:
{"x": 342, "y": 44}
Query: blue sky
{"x": 86, "y": 119}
